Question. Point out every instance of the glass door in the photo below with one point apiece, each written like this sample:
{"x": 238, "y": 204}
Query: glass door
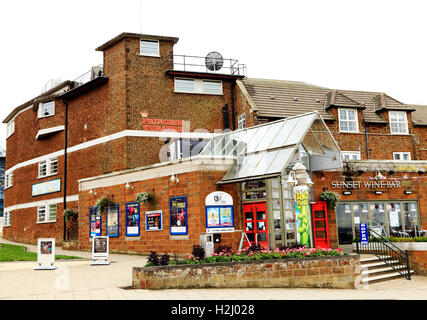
{"x": 344, "y": 224}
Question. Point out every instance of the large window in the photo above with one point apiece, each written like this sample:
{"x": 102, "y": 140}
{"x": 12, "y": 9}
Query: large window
{"x": 149, "y": 48}
{"x": 46, "y": 213}
{"x": 348, "y": 120}
{"x": 47, "y": 109}
{"x": 398, "y": 122}
{"x": 198, "y": 86}
{"x": 48, "y": 167}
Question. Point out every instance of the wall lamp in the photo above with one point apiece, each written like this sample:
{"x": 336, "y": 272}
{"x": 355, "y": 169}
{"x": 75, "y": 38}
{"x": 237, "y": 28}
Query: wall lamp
{"x": 92, "y": 192}
{"x": 173, "y": 178}
{"x": 378, "y": 192}
{"x": 128, "y": 186}
{"x": 407, "y": 192}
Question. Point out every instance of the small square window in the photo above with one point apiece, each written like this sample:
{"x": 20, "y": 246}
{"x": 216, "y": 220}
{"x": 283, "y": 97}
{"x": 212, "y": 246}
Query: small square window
{"x": 212, "y": 87}
{"x": 149, "y": 48}
{"x": 184, "y": 85}
{"x": 46, "y": 213}
{"x": 398, "y": 122}
{"x": 47, "y": 109}
{"x": 350, "y": 155}
{"x": 402, "y": 156}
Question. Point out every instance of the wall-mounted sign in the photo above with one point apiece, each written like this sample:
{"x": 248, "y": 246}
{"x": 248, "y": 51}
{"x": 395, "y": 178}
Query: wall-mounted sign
{"x": 363, "y": 234}
{"x": 46, "y": 187}
{"x": 113, "y": 221}
{"x": 162, "y": 124}
{"x": 178, "y": 216}
{"x": 100, "y": 248}
{"x": 45, "y": 254}
{"x": 153, "y": 220}
{"x": 132, "y": 219}
{"x": 219, "y": 212}
{"x": 94, "y": 222}
{"x": 365, "y": 184}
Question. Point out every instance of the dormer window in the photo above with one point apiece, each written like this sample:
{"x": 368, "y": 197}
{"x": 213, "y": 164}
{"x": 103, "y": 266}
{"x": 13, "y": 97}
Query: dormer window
{"x": 398, "y": 122}
{"x": 348, "y": 120}
{"x": 46, "y": 109}
{"x": 149, "y": 48}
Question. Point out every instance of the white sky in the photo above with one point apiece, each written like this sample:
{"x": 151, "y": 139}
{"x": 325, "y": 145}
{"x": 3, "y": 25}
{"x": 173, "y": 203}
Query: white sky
{"x": 358, "y": 45}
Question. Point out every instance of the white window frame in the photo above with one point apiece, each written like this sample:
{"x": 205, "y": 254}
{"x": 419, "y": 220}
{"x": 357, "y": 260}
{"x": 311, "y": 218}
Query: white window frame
{"x": 157, "y": 54}
{"x": 401, "y": 155}
{"x": 41, "y": 111}
{"x": 7, "y": 218}
{"x": 356, "y": 120}
{"x": 198, "y": 86}
{"x": 47, "y": 213}
{"x": 404, "y": 122}
{"x": 241, "y": 123}
{"x": 8, "y": 180}
{"x": 49, "y": 166}
{"x": 350, "y": 154}
{"x": 10, "y": 128}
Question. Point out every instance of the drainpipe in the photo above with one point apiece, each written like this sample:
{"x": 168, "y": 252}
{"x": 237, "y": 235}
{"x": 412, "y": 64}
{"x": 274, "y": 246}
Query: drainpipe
{"x": 65, "y": 165}
{"x": 367, "y": 139}
{"x": 225, "y": 117}
{"x": 233, "y": 111}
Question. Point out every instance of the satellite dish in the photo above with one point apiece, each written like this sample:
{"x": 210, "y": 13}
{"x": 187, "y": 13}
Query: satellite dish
{"x": 214, "y": 61}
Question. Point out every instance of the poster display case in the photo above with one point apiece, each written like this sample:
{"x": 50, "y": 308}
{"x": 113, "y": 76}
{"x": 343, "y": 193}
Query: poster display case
{"x": 219, "y": 212}
{"x": 100, "y": 249}
{"x": 132, "y": 219}
{"x": 94, "y": 222}
{"x": 153, "y": 220}
{"x": 45, "y": 254}
{"x": 178, "y": 216}
{"x": 113, "y": 221}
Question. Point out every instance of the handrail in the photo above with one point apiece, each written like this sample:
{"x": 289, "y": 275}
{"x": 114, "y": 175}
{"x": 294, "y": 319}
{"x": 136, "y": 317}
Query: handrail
{"x": 386, "y": 251}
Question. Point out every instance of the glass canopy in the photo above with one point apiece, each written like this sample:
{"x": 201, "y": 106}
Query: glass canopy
{"x": 265, "y": 150}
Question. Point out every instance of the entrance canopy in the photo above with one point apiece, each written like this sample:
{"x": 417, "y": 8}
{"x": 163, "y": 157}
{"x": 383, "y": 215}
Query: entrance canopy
{"x": 267, "y": 150}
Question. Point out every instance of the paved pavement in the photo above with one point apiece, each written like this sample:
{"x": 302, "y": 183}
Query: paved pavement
{"x": 78, "y": 280}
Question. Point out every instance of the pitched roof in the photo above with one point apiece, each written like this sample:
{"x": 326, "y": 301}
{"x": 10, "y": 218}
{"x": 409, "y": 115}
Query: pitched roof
{"x": 282, "y": 99}
{"x": 419, "y": 116}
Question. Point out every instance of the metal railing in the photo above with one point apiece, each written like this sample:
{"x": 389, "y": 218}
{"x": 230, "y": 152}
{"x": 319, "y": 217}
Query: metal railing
{"x": 94, "y": 72}
{"x": 197, "y": 64}
{"x": 385, "y": 250}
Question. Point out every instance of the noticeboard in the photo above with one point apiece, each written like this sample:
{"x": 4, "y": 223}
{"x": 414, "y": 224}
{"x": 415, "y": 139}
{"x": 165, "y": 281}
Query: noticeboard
{"x": 219, "y": 212}
{"x": 132, "y": 219}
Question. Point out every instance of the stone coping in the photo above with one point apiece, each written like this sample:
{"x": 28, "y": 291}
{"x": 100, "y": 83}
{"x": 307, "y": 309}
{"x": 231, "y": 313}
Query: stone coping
{"x": 232, "y": 263}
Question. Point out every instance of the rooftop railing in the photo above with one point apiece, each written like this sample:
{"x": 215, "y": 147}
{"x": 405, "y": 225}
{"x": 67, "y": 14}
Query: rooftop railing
{"x": 198, "y": 64}
{"x": 93, "y": 73}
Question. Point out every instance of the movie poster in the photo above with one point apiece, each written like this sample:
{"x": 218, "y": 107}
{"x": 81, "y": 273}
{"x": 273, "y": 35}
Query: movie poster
{"x": 178, "y": 215}
{"x": 95, "y": 222}
{"x": 132, "y": 219}
{"x": 46, "y": 247}
{"x": 100, "y": 245}
{"x": 113, "y": 221}
{"x": 227, "y": 217}
{"x": 153, "y": 220}
{"x": 212, "y": 217}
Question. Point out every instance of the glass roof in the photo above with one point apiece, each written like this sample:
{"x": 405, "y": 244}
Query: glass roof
{"x": 266, "y": 149}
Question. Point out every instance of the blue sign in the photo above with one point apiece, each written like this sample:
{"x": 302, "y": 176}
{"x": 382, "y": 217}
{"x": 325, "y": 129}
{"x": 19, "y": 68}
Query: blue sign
{"x": 363, "y": 234}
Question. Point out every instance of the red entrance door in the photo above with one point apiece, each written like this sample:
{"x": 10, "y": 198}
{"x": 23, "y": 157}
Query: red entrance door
{"x": 320, "y": 224}
{"x": 255, "y": 222}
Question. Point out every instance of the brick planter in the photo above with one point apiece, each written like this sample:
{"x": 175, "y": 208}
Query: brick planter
{"x": 319, "y": 272}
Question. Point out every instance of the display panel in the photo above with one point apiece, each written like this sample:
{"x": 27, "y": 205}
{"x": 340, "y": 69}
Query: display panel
{"x": 178, "y": 215}
{"x": 94, "y": 222}
{"x": 132, "y": 219}
{"x": 153, "y": 220}
{"x": 113, "y": 221}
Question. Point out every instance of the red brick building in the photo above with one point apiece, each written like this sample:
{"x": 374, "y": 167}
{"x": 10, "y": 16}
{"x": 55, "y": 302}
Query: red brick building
{"x": 124, "y": 130}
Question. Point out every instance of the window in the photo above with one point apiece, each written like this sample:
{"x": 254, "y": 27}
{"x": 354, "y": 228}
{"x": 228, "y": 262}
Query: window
{"x": 405, "y": 156}
{"x": 350, "y": 155}
{"x": 398, "y": 122}
{"x": 46, "y": 109}
{"x": 7, "y": 218}
{"x": 198, "y": 86}
{"x": 212, "y": 87}
{"x": 184, "y": 85}
{"x": 48, "y": 167}
{"x": 8, "y": 180}
{"x": 149, "y": 48}
{"x": 10, "y": 128}
{"x": 184, "y": 148}
{"x": 348, "y": 120}
{"x": 242, "y": 121}
{"x": 46, "y": 213}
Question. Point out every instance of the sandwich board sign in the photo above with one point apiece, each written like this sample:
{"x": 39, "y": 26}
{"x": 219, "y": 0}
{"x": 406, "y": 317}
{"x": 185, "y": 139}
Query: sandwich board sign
{"x": 100, "y": 250}
{"x": 45, "y": 254}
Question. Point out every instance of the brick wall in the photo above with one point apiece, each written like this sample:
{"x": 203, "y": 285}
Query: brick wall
{"x": 322, "y": 272}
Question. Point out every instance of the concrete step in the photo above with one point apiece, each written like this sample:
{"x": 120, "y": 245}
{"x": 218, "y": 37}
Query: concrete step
{"x": 384, "y": 269}
{"x": 382, "y": 277}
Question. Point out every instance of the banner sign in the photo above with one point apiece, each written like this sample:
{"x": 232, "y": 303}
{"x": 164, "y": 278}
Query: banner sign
{"x": 100, "y": 248}
{"x": 363, "y": 234}
{"x": 153, "y": 220}
{"x": 178, "y": 215}
{"x": 45, "y": 254}
{"x": 303, "y": 217}
{"x": 132, "y": 219}
{"x": 94, "y": 222}
{"x": 113, "y": 221}
{"x": 219, "y": 212}
{"x": 46, "y": 187}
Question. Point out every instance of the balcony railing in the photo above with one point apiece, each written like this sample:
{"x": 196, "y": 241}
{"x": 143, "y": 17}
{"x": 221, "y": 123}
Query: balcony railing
{"x": 93, "y": 73}
{"x": 198, "y": 64}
